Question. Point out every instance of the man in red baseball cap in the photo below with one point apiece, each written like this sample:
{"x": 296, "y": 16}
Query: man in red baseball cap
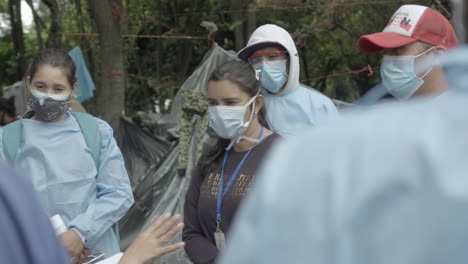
{"x": 412, "y": 41}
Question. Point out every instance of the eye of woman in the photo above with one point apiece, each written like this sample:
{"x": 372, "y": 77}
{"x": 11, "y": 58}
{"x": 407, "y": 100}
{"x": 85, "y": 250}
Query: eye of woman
{"x": 231, "y": 102}
{"x": 39, "y": 86}
{"x": 59, "y": 89}
{"x": 212, "y": 102}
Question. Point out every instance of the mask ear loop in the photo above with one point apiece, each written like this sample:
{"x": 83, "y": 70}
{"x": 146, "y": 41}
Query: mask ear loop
{"x": 237, "y": 140}
{"x": 424, "y": 52}
{"x": 430, "y": 68}
{"x": 257, "y": 74}
{"x": 425, "y": 74}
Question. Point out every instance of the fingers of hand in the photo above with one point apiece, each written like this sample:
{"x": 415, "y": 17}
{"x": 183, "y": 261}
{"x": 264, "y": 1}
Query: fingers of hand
{"x": 72, "y": 242}
{"x": 83, "y": 256}
{"x": 164, "y": 228}
{"x": 171, "y": 233}
{"x": 168, "y": 249}
{"x": 161, "y": 220}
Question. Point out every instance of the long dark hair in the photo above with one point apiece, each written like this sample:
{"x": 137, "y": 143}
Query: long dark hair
{"x": 242, "y": 74}
{"x": 55, "y": 58}
{"x": 8, "y": 106}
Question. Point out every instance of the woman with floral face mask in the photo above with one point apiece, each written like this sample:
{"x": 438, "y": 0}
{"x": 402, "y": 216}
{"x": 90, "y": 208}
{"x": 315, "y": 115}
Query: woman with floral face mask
{"x": 227, "y": 170}
{"x": 79, "y": 177}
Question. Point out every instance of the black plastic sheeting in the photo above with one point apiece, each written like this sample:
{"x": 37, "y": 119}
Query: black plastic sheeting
{"x": 151, "y": 164}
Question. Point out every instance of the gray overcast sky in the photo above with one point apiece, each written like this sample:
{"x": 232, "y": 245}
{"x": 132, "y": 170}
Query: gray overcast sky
{"x": 26, "y": 16}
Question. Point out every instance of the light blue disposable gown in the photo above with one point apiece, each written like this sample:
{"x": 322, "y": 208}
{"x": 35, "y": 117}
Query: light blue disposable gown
{"x": 297, "y": 107}
{"x": 54, "y": 157}
{"x": 380, "y": 187}
{"x": 290, "y": 113}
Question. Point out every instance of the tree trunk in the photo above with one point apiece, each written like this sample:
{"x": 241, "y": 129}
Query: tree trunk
{"x": 305, "y": 65}
{"x": 38, "y": 24}
{"x": 111, "y": 88}
{"x": 14, "y": 8}
{"x": 55, "y": 36}
{"x": 251, "y": 20}
{"x": 238, "y": 20}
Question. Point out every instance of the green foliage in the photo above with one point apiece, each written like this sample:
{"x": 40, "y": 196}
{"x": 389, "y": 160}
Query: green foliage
{"x": 326, "y": 33}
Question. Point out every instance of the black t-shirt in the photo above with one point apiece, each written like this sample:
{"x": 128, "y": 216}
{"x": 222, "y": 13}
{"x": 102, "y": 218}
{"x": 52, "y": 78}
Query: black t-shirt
{"x": 201, "y": 198}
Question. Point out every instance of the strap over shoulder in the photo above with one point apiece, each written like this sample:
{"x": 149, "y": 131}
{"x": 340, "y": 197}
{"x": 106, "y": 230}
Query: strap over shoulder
{"x": 12, "y": 139}
{"x": 90, "y": 129}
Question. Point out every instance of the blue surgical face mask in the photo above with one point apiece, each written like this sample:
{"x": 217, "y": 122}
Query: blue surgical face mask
{"x": 228, "y": 121}
{"x": 398, "y": 75}
{"x": 273, "y": 75}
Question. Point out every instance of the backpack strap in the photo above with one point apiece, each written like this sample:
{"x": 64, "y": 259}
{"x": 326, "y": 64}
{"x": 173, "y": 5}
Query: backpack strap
{"x": 12, "y": 139}
{"x": 90, "y": 129}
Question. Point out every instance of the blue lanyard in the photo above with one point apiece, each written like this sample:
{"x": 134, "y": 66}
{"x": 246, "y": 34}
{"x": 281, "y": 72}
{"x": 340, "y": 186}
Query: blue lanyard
{"x": 221, "y": 193}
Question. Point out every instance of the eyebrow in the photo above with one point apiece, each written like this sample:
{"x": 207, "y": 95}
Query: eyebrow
{"x": 54, "y": 85}
{"x": 39, "y": 82}
{"x": 224, "y": 99}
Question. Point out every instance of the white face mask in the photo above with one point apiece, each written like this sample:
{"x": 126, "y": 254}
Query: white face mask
{"x": 399, "y": 77}
{"x": 228, "y": 121}
{"x": 43, "y": 96}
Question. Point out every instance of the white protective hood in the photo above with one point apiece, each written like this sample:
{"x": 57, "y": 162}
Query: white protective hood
{"x": 262, "y": 37}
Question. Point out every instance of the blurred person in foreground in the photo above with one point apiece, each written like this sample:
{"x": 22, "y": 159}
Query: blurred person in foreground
{"x": 397, "y": 198}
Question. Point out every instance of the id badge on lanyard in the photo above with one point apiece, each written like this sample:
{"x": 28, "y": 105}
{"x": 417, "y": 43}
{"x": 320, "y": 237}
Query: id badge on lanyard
{"x": 219, "y": 236}
{"x": 220, "y": 239}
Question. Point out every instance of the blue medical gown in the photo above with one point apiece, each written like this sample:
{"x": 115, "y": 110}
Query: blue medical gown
{"x": 54, "y": 157}
{"x": 290, "y": 113}
{"x": 380, "y": 187}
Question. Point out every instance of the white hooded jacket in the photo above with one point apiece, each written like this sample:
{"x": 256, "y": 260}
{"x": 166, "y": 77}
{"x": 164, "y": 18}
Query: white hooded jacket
{"x": 297, "y": 106}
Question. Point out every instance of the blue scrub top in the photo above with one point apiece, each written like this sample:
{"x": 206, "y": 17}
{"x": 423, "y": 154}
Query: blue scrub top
{"x": 54, "y": 157}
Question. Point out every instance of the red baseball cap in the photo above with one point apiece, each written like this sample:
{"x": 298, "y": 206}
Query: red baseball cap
{"x": 409, "y": 24}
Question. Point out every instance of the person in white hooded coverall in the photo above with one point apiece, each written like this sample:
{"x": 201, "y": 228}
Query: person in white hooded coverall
{"x": 354, "y": 198}
{"x": 290, "y": 105}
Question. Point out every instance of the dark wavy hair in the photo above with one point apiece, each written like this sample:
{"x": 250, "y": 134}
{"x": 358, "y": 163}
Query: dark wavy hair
{"x": 8, "y": 106}
{"x": 56, "y": 58}
{"x": 242, "y": 75}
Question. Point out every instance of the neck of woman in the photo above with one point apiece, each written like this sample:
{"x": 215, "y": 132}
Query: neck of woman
{"x": 58, "y": 119}
{"x": 252, "y": 132}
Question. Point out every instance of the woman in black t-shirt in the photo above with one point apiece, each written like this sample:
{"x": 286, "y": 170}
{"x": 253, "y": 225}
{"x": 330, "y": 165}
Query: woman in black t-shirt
{"x": 226, "y": 171}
